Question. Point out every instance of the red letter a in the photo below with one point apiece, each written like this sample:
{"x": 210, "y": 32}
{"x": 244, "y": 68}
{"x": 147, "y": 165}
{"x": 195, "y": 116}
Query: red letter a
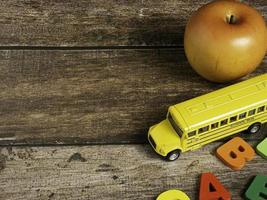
{"x": 212, "y": 189}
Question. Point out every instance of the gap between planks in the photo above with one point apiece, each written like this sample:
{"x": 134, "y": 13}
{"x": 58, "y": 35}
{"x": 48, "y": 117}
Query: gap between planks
{"x": 86, "y": 48}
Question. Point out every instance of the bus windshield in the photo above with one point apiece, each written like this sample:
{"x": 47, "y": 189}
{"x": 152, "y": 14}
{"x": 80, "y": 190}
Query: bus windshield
{"x": 174, "y": 125}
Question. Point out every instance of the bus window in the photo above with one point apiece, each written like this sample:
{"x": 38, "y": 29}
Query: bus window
{"x": 242, "y": 115}
{"x": 261, "y": 109}
{"x": 174, "y": 125}
{"x": 224, "y": 122}
{"x": 191, "y": 134}
{"x": 203, "y": 129}
{"x": 251, "y": 112}
{"x": 215, "y": 125}
{"x": 233, "y": 119}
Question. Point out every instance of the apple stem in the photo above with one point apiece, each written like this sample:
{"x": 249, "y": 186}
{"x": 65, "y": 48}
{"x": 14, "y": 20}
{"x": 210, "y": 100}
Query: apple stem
{"x": 231, "y": 20}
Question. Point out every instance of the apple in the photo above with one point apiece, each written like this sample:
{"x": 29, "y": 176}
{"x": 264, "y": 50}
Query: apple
{"x": 225, "y": 40}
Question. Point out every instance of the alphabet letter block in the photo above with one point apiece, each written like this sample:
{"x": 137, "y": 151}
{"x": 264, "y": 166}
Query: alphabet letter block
{"x": 173, "y": 195}
{"x": 257, "y": 189}
{"x": 235, "y": 153}
{"x": 212, "y": 189}
{"x": 262, "y": 148}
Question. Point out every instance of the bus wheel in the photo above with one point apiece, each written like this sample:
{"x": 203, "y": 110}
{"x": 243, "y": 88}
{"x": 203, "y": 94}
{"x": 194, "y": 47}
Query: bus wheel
{"x": 173, "y": 155}
{"x": 254, "y": 128}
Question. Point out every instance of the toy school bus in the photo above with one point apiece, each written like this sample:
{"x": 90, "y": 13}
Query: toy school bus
{"x": 204, "y": 119}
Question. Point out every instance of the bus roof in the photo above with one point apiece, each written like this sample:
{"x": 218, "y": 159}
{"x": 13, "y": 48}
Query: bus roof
{"x": 223, "y": 102}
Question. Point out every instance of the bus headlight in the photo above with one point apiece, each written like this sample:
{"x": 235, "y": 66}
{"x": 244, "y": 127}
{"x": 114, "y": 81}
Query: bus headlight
{"x": 161, "y": 150}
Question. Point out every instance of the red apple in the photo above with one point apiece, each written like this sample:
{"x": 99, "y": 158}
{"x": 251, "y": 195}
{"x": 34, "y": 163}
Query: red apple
{"x": 225, "y": 40}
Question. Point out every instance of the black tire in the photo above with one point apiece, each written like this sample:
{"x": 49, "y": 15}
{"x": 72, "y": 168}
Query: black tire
{"x": 254, "y": 128}
{"x": 173, "y": 155}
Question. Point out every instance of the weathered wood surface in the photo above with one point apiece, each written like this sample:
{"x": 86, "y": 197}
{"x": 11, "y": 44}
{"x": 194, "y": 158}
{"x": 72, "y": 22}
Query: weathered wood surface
{"x": 60, "y": 92}
{"x": 98, "y": 22}
{"x": 128, "y": 172}
{"x": 107, "y": 96}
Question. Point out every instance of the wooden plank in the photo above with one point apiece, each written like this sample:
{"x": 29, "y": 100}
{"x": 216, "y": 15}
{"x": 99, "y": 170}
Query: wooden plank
{"x": 98, "y": 22}
{"x": 87, "y": 97}
{"x": 112, "y": 172}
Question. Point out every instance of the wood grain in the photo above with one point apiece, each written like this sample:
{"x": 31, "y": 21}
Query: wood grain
{"x": 59, "y": 92}
{"x": 89, "y": 97}
{"x": 128, "y": 172}
{"x": 98, "y": 22}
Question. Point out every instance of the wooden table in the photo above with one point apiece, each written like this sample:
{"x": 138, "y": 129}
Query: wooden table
{"x": 81, "y": 82}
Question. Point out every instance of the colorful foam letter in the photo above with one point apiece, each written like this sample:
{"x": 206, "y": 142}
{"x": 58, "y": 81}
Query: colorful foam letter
{"x": 173, "y": 195}
{"x": 235, "y": 153}
{"x": 257, "y": 189}
{"x": 212, "y": 189}
{"x": 262, "y": 148}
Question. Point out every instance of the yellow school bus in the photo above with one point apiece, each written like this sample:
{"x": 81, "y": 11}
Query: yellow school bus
{"x": 204, "y": 119}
